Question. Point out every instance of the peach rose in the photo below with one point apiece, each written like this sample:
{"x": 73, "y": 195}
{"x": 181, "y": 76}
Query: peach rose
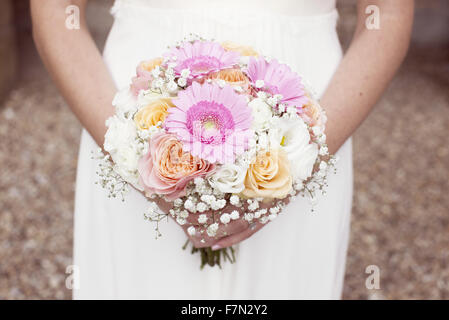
{"x": 313, "y": 113}
{"x": 243, "y": 50}
{"x": 233, "y": 77}
{"x": 151, "y": 114}
{"x": 142, "y": 80}
{"x": 148, "y": 65}
{"x": 166, "y": 169}
{"x": 269, "y": 176}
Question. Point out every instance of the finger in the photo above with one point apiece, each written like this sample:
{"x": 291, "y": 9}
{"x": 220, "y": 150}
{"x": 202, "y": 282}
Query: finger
{"x": 200, "y": 240}
{"x": 238, "y": 237}
{"x": 233, "y": 227}
{"x": 197, "y": 243}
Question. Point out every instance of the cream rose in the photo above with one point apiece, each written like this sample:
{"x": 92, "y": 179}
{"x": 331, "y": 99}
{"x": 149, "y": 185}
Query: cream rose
{"x": 152, "y": 114}
{"x": 269, "y": 176}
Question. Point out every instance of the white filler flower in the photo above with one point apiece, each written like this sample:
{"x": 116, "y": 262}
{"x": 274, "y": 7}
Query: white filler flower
{"x": 225, "y": 218}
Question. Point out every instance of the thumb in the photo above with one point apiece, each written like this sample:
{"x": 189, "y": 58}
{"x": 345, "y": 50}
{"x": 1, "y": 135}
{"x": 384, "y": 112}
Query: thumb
{"x": 238, "y": 237}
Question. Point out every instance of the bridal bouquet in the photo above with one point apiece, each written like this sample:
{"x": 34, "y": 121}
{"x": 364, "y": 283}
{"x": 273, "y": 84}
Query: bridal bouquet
{"x": 218, "y": 131}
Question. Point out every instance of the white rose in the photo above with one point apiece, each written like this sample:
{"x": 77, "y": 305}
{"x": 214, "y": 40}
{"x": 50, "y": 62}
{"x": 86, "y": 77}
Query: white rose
{"x": 261, "y": 113}
{"x": 294, "y": 138}
{"x": 125, "y": 103}
{"x": 229, "y": 178}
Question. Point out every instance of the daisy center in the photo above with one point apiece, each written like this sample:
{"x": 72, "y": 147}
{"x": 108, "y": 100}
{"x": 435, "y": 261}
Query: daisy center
{"x": 210, "y": 122}
{"x": 209, "y": 125}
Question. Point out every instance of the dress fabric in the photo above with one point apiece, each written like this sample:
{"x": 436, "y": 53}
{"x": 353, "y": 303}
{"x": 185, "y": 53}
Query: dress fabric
{"x": 300, "y": 255}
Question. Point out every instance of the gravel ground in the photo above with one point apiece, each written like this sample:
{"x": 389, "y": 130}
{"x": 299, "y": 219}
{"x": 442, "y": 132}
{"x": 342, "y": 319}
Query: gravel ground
{"x": 400, "y": 217}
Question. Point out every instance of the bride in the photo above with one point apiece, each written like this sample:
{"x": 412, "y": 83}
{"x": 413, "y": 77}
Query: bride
{"x": 302, "y": 253}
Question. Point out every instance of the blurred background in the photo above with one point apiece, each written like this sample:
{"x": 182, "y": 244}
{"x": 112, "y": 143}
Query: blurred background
{"x": 400, "y": 219}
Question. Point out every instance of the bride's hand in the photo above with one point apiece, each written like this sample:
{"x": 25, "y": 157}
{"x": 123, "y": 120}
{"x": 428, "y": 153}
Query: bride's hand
{"x": 233, "y": 228}
{"x": 202, "y": 240}
{"x": 227, "y": 235}
{"x": 230, "y": 234}
{"x": 250, "y": 229}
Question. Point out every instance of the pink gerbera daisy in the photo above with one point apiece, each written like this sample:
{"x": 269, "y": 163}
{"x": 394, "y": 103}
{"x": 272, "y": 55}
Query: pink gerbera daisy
{"x": 213, "y": 123}
{"x": 278, "y": 78}
{"x": 202, "y": 58}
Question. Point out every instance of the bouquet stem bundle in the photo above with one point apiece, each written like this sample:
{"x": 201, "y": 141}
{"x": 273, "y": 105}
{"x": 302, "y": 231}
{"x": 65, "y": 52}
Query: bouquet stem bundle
{"x": 213, "y": 257}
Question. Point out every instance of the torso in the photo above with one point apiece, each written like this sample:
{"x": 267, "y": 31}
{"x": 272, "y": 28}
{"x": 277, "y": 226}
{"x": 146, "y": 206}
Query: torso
{"x": 284, "y": 7}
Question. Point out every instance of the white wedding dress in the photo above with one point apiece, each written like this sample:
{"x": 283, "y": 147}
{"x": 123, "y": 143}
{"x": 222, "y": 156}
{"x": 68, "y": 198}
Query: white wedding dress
{"x": 299, "y": 255}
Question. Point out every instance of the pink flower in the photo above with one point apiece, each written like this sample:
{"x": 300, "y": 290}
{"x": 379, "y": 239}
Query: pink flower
{"x": 202, "y": 58}
{"x": 166, "y": 169}
{"x": 143, "y": 75}
{"x": 278, "y": 79}
{"x": 140, "y": 83}
{"x": 212, "y": 123}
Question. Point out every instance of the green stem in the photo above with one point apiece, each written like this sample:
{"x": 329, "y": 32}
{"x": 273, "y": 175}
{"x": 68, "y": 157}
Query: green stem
{"x": 212, "y": 257}
{"x": 185, "y": 244}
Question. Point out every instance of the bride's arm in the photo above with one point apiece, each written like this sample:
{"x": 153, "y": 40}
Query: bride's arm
{"x": 367, "y": 68}
{"x": 74, "y": 63}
